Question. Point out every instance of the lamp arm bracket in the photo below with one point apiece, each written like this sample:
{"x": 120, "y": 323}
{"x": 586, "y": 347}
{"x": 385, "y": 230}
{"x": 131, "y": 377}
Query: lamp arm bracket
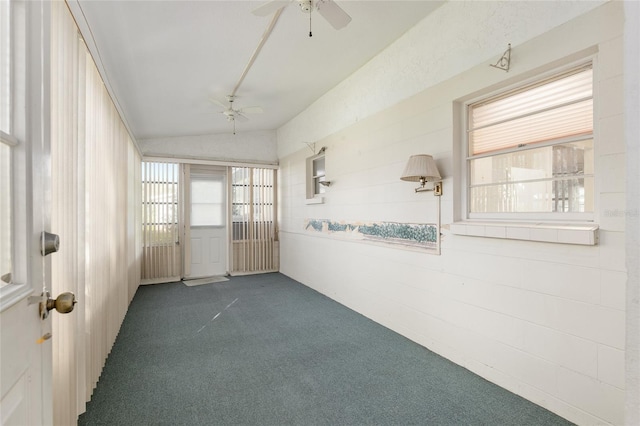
{"x": 437, "y": 189}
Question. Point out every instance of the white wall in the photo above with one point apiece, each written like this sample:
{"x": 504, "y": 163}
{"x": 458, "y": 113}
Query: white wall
{"x": 632, "y": 130}
{"x": 454, "y": 38}
{"x": 251, "y": 147}
{"x": 546, "y": 321}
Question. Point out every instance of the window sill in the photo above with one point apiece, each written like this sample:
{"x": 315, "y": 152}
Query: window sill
{"x": 582, "y": 234}
{"x": 315, "y": 200}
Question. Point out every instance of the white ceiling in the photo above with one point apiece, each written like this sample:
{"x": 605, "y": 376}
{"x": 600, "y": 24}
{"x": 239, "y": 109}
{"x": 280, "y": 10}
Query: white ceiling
{"x": 165, "y": 59}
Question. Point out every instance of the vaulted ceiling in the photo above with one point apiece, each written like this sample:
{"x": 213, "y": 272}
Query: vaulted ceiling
{"x": 164, "y": 60}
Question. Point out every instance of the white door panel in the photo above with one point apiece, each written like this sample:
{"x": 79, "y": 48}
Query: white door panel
{"x": 20, "y": 364}
{"x": 14, "y": 407}
{"x": 207, "y": 223}
{"x": 208, "y": 252}
{"x": 25, "y": 355}
{"x": 214, "y": 249}
{"x": 196, "y": 251}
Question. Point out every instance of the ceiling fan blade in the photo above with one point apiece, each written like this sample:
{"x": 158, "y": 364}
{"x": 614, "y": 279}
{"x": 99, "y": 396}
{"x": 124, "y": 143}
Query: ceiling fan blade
{"x": 269, "y": 7}
{"x": 239, "y": 117}
{"x": 217, "y": 102}
{"x": 251, "y": 110}
{"x": 333, "y": 13}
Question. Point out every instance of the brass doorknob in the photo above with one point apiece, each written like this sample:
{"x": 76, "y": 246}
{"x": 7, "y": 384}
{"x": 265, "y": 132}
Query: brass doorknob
{"x": 63, "y": 303}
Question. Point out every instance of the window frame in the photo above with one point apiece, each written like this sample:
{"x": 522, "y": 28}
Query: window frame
{"x": 312, "y": 179}
{"x": 533, "y": 79}
{"x": 7, "y": 139}
{"x": 241, "y": 229}
{"x": 152, "y": 234}
{"x": 20, "y": 69}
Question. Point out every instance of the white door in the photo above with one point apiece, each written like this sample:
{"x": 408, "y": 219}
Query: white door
{"x": 207, "y": 214}
{"x": 25, "y": 338}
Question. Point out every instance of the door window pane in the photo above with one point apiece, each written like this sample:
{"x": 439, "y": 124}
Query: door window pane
{"x": 207, "y": 201}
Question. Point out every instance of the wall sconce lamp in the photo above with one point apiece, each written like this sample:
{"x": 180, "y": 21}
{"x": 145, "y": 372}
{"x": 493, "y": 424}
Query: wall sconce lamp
{"x": 422, "y": 168}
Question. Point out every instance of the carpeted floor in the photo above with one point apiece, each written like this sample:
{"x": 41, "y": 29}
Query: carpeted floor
{"x": 266, "y": 350}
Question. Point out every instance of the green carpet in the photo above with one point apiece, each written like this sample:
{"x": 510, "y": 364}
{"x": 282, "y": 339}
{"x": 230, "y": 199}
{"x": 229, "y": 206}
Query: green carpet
{"x": 266, "y": 350}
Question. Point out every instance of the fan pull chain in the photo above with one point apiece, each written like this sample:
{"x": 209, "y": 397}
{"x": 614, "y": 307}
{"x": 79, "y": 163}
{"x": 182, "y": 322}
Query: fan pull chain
{"x": 310, "y": 35}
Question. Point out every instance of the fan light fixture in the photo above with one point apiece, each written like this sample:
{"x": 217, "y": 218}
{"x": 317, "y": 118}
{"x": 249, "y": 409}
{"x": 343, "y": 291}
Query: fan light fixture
{"x": 422, "y": 168}
{"x": 328, "y": 9}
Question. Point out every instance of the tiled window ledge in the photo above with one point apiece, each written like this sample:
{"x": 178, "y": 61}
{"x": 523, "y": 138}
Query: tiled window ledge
{"x": 315, "y": 200}
{"x": 584, "y": 234}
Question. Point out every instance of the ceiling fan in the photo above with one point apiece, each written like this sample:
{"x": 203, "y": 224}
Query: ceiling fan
{"x": 232, "y": 114}
{"x": 329, "y": 10}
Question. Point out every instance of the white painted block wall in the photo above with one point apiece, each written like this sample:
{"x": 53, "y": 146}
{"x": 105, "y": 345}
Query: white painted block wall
{"x": 546, "y": 321}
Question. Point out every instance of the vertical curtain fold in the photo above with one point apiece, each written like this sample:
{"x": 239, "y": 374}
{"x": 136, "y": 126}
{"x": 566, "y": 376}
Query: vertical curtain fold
{"x": 95, "y": 210}
{"x": 65, "y": 181}
{"x": 253, "y": 236}
{"x": 160, "y": 221}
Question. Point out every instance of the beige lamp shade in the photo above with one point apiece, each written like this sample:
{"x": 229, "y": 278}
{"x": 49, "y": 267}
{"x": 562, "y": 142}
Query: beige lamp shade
{"x": 421, "y": 168}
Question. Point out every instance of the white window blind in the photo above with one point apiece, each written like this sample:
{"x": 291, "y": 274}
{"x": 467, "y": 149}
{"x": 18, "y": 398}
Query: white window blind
{"x": 94, "y": 165}
{"x": 530, "y": 150}
{"x": 551, "y": 110}
{"x": 207, "y": 201}
{"x": 160, "y": 209}
{"x": 254, "y": 220}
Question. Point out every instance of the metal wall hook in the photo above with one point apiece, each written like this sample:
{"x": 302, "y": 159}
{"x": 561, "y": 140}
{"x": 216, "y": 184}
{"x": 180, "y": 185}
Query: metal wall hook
{"x": 504, "y": 63}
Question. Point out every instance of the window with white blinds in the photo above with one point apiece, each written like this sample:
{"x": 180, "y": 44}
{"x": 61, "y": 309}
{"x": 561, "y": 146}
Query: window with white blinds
{"x": 160, "y": 210}
{"x": 253, "y": 212}
{"x": 530, "y": 150}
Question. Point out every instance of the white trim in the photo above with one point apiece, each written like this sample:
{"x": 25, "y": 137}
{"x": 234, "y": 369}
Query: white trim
{"x": 8, "y": 139}
{"x": 227, "y": 163}
{"x": 582, "y": 234}
{"x": 534, "y": 217}
{"x": 559, "y": 141}
{"x": 13, "y": 293}
{"x": 166, "y": 280}
{"x": 310, "y": 177}
{"x": 315, "y": 200}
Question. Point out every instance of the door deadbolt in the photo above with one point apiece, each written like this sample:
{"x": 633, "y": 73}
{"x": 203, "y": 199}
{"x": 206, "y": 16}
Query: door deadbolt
{"x": 50, "y": 243}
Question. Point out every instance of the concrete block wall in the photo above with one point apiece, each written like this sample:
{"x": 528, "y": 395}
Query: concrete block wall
{"x": 545, "y": 320}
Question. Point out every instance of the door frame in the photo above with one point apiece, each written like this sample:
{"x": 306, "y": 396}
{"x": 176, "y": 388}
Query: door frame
{"x": 190, "y": 169}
